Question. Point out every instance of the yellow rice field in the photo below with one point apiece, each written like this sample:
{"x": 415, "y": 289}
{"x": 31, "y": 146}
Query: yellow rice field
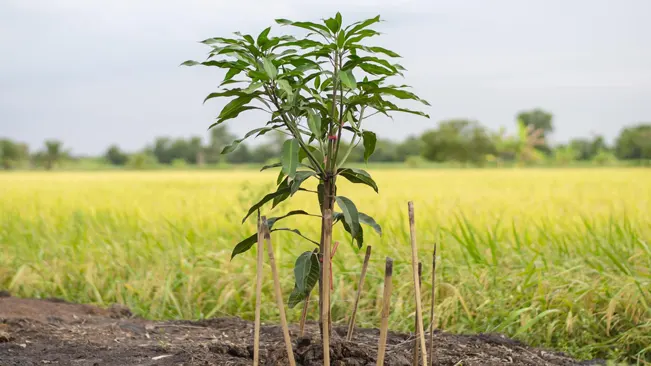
{"x": 554, "y": 257}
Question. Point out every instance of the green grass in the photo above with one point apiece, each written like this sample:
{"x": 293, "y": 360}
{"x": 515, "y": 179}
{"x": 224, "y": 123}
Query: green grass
{"x": 559, "y": 258}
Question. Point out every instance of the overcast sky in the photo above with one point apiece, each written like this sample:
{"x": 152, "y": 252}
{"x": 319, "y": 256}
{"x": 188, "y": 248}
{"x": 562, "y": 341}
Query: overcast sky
{"x": 93, "y": 73}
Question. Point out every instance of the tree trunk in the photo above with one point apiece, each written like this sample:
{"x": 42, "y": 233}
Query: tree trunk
{"x": 329, "y": 190}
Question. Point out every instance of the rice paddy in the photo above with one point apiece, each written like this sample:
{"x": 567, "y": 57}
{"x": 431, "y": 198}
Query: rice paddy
{"x": 559, "y": 258}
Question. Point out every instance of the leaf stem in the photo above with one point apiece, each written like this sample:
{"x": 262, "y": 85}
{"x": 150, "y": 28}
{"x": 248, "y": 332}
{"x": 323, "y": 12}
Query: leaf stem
{"x": 353, "y": 144}
{"x": 296, "y": 134}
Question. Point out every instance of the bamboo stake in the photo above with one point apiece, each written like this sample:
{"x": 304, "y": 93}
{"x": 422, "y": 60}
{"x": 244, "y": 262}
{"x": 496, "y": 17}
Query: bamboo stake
{"x": 258, "y": 296}
{"x": 431, "y": 314}
{"x": 325, "y": 279}
{"x": 414, "y": 261}
{"x": 351, "y": 324}
{"x": 279, "y": 295}
{"x": 386, "y": 305}
{"x": 416, "y": 344}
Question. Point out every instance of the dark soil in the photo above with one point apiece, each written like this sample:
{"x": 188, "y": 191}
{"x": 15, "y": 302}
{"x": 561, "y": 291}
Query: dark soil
{"x": 53, "y": 332}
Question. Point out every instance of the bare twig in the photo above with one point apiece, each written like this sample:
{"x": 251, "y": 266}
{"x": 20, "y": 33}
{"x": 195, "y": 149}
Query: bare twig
{"x": 415, "y": 357}
{"x": 351, "y": 323}
{"x": 414, "y": 263}
{"x": 325, "y": 316}
{"x": 431, "y": 314}
{"x": 279, "y": 295}
{"x": 306, "y": 306}
{"x": 258, "y": 296}
{"x": 386, "y": 306}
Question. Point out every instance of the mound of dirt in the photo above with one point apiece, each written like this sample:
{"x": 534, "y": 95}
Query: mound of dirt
{"x": 53, "y": 332}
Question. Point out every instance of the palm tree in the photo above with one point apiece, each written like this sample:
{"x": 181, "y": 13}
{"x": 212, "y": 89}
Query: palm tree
{"x": 529, "y": 138}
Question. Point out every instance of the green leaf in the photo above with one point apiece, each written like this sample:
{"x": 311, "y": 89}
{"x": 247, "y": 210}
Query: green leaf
{"x": 369, "y": 139}
{"x": 393, "y": 108}
{"x": 253, "y": 87}
{"x": 351, "y": 215}
{"x": 225, "y": 64}
{"x": 314, "y": 123}
{"x": 341, "y": 39}
{"x": 283, "y": 184}
{"x": 232, "y": 115}
{"x": 235, "y": 143}
{"x": 244, "y": 245}
{"x": 332, "y": 24}
{"x": 262, "y": 38}
{"x": 358, "y": 61}
{"x": 295, "y": 297}
{"x": 269, "y": 68}
{"x": 306, "y": 271}
{"x": 363, "y": 25}
{"x": 359, "y": 36}
{"x": 257, "y": 75}
{"x": 348, "y": 79}
{"x": 284, "y": 85}
{"x": 264, "y": 200}
{"x": 248, "y": 38}
{"x": 368, "y": 220}
{"x": 226, "y": 93}
{"x": 272, "y": 220}
{"x": 319, "y": 28}
{"x": 276, "y": 165}
{"x": 235, "y": 105}
{"x": 401, "y": 94}
{"x": 317, "y": 82}
{"x": 295, "y": 231}
{"x": 380, "y": 50}
{"x": 376, "y": 70}
{"x": 279, "y": 199}
{"x": 231, "y": 73}
{"x": 359, "y": 236}
{"x": 358, "y": 176}
{"x": 222, "y": 40}
{"x": 190, "y": 63}
{"x": 299, "y": 178}
{"x": 279, "y": 180}
{"x": 289, "y": 159}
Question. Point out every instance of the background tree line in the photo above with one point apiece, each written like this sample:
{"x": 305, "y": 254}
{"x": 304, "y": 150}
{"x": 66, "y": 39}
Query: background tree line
{"x": 462, "y": 141}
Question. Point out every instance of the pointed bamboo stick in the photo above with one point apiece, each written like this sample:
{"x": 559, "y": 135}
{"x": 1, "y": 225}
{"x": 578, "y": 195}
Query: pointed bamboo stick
{"x": 325, "y": 279}
{"x": 414, "y": 263}
{"x": 415, "y": 356}
{"x": 279, "y": 295}
{"x": 351, "y": 323}
{"x": 431, "y": 314}
{"x": 258, "y": 296}
{"x": 386, "y": 306}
